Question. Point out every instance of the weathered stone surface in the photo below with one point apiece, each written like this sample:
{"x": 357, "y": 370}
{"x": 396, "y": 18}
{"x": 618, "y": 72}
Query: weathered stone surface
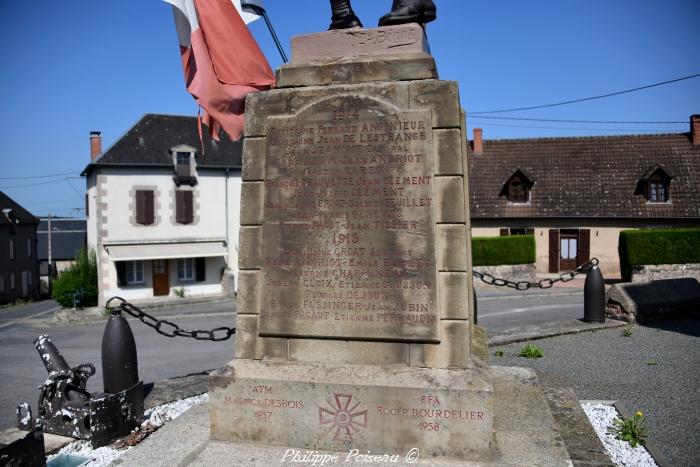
{"x": 447, "y": 146}
{"x": 443, "y": 413}
{"x": 318, "y": 351}
{"x": 449, "y": 192}
{"x": 452, "y": 247}
{"x": 377, "y": 353}
{"x": 647, "y": 301}
{"x": 250, "y": 247}
{"x": 246, "y": 336}
{"x": 248, "y": 298}
{"x": 652, "y": 272}
{"x": 356, "y": 42}
{"x": 272, "y": 348}
{"x": 393, "y": 93}
{"x": 260, "y": 106}
{"x": 357, "y": 70}
{"x": 452, "y": 352}
{"x": 453, "y": 292}
{"x": 252, "y": 209}
{"x": 442, "y": 97}
{"x": 253, "y": 159}
{"x": 349, "y": 232}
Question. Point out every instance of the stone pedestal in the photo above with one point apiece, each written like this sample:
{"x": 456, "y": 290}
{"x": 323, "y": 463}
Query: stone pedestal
{"x": 354, "y": 325}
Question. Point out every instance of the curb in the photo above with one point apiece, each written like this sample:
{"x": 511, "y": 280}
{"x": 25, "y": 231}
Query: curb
{"x": 659, "y": 458}
{"x": 561, "y": 329}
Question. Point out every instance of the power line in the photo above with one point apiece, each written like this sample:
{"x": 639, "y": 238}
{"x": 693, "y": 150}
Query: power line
{"x": 38, "y": 176}
{"x": 573, "y": 101}
{"x": 643, "y": 130}
{"x": 32, "y": 184}
{"x": 578, "y": 121}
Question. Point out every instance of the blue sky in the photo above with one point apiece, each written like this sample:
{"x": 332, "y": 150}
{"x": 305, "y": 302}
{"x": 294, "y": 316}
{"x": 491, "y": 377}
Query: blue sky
{"x": 76, "y": 66}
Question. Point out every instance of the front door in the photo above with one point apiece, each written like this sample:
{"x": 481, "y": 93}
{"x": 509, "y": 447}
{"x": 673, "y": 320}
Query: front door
{"x": 161, "y": 281}
{"x": 568, "y": 250}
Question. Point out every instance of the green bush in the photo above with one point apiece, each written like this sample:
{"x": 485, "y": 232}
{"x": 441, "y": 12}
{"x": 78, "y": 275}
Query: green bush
{"x": 496, "y": 251}
{"x": 657, "y": 246}
{"x": 80, "y": 276}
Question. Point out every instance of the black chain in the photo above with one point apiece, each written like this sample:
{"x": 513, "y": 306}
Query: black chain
{"x": 541, "y": 284}
{"x": 168, "y": 328}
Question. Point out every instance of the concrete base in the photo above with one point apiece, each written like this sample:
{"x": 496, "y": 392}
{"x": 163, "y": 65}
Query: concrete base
{"x": 444, "y": 413}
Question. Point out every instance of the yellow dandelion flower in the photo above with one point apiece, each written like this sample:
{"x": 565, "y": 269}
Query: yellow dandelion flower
{"x": 640, "y": 413}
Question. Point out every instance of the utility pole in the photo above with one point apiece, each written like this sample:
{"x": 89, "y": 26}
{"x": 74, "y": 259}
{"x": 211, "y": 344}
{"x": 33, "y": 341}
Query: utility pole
{"x": 50, "y": 265}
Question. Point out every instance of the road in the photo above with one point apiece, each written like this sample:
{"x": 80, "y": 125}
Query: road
{"x": 161, "y": 357}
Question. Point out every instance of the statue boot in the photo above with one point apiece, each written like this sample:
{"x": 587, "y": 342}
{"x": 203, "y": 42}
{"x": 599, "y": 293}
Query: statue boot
{"x": 409, "y": 11}
{"x": 343, "y": 16}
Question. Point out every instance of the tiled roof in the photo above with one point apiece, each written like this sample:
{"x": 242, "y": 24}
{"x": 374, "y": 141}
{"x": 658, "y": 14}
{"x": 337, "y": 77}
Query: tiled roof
{"x": 21, "y": 215}
{"x": 586, "y": 176}
{"x": 149, "y": 141}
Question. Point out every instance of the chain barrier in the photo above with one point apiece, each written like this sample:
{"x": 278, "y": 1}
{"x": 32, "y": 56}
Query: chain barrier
{"x": 168, "y": 328}
{"x": 541, "y": 284}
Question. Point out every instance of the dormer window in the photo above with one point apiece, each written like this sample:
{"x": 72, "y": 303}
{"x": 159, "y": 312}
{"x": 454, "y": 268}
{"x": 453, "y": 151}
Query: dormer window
{"x": 184, "y": 162}
{"x": 655, "y": 185}
{"x": 517, "y": 188}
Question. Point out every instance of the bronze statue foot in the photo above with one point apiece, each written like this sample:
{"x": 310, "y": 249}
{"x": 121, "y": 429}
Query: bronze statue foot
{"x": 409, "y": 11}
{"x": 343, "y": 16}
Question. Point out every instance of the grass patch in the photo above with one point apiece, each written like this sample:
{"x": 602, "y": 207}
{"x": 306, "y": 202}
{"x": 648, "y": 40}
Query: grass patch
{"x": 499, "y": 353}
{"x": 627, "y": 331}
{"x": 531, "y": 351}
{"x": 633, "y": 429}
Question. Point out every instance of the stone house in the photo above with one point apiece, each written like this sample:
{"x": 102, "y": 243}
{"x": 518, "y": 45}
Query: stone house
{"x": 19, "y": 268}
{"x": 575, "y": 194}
{"x": 67, "y": 237}
{"x": 163, "y": 213}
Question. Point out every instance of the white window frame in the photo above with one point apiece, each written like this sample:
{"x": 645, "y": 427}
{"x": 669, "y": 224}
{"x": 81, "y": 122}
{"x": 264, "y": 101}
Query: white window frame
{"x": 134, "y": 272}
{"x": 185, "y": 270}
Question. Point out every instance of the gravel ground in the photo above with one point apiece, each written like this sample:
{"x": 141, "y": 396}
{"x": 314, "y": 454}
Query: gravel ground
{"x": 655, "y": 370}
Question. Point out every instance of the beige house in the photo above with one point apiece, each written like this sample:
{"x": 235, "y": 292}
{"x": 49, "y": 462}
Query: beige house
{"x": 576, "y": 194}
{"x": 163, "y": 214}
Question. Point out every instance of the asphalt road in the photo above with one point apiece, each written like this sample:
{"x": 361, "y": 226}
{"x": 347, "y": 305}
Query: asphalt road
{"x": 656, "y": 370}
{"x": 159, "y": 357}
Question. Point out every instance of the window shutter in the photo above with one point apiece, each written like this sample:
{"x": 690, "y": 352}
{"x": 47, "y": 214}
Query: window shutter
{"x": 121, "y": 273}
{"x": 584, "y": 246}
{"x": 189, "y": 211}
{"x": 180, "y": 207}
{"x": 200, "y": 269}
{"x": 150, "y": 218}
{"x": 140, "y": 207}
{"x": 553, "y": 250}
{"x": 504, "y": 232}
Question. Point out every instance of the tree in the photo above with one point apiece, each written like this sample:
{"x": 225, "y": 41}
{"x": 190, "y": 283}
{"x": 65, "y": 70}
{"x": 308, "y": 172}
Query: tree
{"x": 78, "y": 284}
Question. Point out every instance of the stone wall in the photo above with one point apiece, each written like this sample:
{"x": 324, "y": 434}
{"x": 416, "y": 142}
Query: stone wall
{"x": 513, "y": 272}
{"x": 652, "y": 272}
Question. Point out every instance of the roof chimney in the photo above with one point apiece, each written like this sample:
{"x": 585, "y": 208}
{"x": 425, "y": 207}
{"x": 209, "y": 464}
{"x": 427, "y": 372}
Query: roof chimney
{"x": 95, "y": 145}
{"x": 478, "y": 141}
{"x": 695, "y": 129}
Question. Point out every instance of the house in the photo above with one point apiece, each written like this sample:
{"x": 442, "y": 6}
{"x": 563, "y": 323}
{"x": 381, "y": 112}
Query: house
{"x": 19, "y": 270}
{"x": 59, "y": 241}
{"x": 576, "y": 194}
{"x": 163, "y": 210}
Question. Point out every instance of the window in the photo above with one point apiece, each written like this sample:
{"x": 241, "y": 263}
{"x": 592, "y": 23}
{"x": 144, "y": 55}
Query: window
{"x": 12, "y": 281}
{"x": 12, "y": 248}
{"x": 144, "y": 207}
{"x": 29, "y": 278}
{"x": 185, "y": 269}
{"x": 657, "y": 189}
{"x": 134, "y": 272}
{"x": 2, "y": 283}
{"x": 516, "y": 231}
{"x": 29, "y": 247}
{"x": 184, "y": 213}
{"x": 517, "y": 190}
{"x": 182, "y": 165}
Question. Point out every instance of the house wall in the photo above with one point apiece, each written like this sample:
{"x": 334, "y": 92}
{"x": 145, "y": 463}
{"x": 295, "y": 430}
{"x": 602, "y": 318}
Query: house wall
{"x": 24, "y": 267}
{"x": 112, "y": 220}
{"x": 604, "y": 241}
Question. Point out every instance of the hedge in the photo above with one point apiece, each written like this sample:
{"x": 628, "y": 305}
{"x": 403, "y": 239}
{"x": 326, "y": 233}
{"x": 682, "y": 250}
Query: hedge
{"x": 496, "y": 251}
{"x": 657, "y": 246}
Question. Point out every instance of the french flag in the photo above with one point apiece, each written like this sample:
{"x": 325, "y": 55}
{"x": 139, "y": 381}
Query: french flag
{"x": 221, "y": 60}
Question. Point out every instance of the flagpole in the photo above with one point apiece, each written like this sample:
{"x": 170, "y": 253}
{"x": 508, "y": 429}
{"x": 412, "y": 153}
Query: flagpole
{"x": 261, "y": 11}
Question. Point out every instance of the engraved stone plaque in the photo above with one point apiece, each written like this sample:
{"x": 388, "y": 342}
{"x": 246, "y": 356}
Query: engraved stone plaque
{"x": 349, "y": 235}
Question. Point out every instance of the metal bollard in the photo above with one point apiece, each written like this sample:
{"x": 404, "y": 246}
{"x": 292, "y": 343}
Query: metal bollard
{"x": 594, "y": 296}
{"x": 119, "y": 359}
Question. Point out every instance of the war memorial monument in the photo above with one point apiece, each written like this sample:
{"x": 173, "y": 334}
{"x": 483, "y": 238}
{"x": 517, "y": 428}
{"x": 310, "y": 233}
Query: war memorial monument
{"x": 355, "y": 312}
